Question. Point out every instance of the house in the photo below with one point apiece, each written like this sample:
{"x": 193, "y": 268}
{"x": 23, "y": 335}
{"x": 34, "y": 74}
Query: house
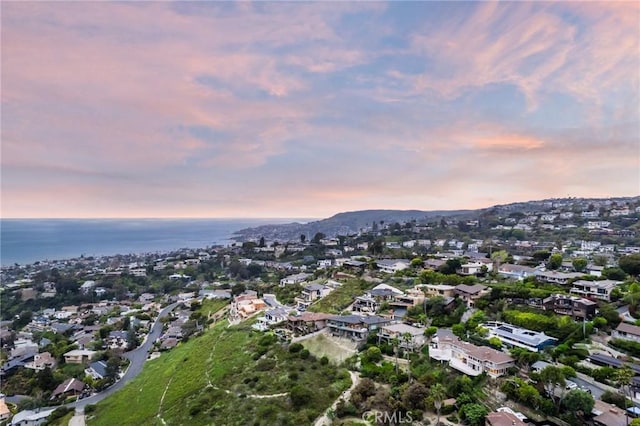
{"x": 365, "y": 304}
{"x": 245, "y": 305}
{"x": 86, "y": 287}
{"x": 596, "y": 289}
{"x": 372, "y": 299}
{"x": 471, "y": 293}
{"x": 325, "y": 263}
{"x": 384, "y": 292}
{"x": 68, "y": 388}
{"x": 22, "y": 347}
{"x": 355, "y": 327}
{"x": 468, "y": 358}
{"x": 310, "y": 294}
{"x": 41, "y": 361}
{"x": 20, "y": 361}
{"x": 476, "y": 267}
{"x": 307, "y": 322}
{"x": 433, "y": 264}
{"x": 576, "y": 307}
{"x": 609, "y": 415}
{"x": 31, "y": 417}
{"x": 97, "y": 370}
{"x": 627, "y": 332}
{"x": 555, "y": 277}
{"x": 511, "y": 335}
{"x": 78, "y": 356}
{"x": 271, "y": 317}
{"x": 503, "y": 418}
{"x": 409, "y": 337}
{"x": 519, "y": 272}
{"x": 391, "y": 266}
{"x": 538, "y": 366}
{"x": 354, "y": 264}
{"x": 438, "y": 290}
{"x": 294, "y": 279}
{"x": 117, "y": 339}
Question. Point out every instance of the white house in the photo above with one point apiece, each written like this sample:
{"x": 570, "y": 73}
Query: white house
{"x": 627, "y": 332}
{"x": 392, "y": 265}
{"x": 468, "y": 358}
{"x": 595, "y": 289}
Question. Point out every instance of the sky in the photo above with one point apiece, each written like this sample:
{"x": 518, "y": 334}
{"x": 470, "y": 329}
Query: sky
{"x": 307, "y": 109}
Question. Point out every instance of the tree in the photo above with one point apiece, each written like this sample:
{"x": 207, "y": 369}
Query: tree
{"x": 429, "y": 332}
{"x": 579, "y": 264}
{"x": 630, "y": 264}
{"x": 555, "y": 261}
{"x": 437, "y": 392}
{"x": 552, "y": 378}
{"x": 541, "y": 255}
{"x": 303, "y": 238}
{"x": 616, "y": 274}
{"x": 406, "y": 339}
{"x": 450, "y": 266}
{"x": 414, "y": 396}
{"x": 578, "y": 402}
{"x": 300, "y": 396}
{"x": 376, "y": 247}
{"x": 474, "y": 414}
{"x": 623, "y": 378}
{"x": 458, "y": 330}
{"x": 316, "y": 238}
{"x": 374, "y": 354}
{"x": 261, "y": 243}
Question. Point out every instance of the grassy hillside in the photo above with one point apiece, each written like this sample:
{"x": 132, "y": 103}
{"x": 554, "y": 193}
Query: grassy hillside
{"x": 341, "y": 297}
{"x": 228, "y": 376}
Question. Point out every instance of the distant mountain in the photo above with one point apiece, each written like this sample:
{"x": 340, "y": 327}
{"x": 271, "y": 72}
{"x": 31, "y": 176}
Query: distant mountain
{"x": 341, "y": 224}
{"x": 352, "y": 222}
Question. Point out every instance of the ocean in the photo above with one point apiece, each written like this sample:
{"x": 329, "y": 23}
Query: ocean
{"x": 25, "y": 241}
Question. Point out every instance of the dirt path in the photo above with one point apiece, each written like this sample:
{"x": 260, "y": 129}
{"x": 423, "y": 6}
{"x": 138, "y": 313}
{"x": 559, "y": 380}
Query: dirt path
{"x": 324, "y": 420}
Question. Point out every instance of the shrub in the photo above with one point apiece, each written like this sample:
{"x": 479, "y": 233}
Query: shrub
{"x": 304, "y": 354}
{"x": 295, "y": 347}
{"x": 300, "y": 396}
{"x": 265, "y": 364}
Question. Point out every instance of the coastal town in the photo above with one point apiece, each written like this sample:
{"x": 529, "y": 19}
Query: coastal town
{"x": 512, "y": 315}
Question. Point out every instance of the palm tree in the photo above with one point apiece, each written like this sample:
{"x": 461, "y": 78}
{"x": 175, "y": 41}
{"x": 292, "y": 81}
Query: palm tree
{"x": 406, "y": 338}
{"x": 395, "y": 342}
{"x": 437, "y": 395}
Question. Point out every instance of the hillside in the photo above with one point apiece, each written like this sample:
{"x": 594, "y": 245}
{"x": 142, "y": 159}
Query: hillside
{"x": 352, "y": 222}
{"x": 340, "y": 224}
{"x": 228, "y": 376}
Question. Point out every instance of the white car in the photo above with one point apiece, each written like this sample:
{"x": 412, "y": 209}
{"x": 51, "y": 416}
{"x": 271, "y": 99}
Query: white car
{"x": 571, "y": 385}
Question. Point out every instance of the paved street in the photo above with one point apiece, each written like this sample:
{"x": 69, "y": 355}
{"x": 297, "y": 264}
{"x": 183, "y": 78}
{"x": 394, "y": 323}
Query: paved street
{"x": 136, "y": 357}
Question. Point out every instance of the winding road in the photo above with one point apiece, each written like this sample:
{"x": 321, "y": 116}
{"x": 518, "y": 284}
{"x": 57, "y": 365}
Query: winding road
{"x": 136, "y": 358}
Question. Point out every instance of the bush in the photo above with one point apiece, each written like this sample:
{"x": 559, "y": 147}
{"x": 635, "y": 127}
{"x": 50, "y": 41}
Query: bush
{"x": 58, "y": 413}
{"x": 300, "y": 396}
{"x": 324, "y": 360}
{"x": 265, "y": 364}
{"x": 304, "y": 354}
{"x": 295, "y": 347}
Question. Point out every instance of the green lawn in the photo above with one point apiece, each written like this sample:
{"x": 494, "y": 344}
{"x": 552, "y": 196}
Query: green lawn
{"x": 341, "y": 297}
{"x": 221, "y": 378}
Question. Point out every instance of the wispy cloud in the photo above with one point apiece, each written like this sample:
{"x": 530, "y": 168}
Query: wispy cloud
{"x": 304, "y": 109}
